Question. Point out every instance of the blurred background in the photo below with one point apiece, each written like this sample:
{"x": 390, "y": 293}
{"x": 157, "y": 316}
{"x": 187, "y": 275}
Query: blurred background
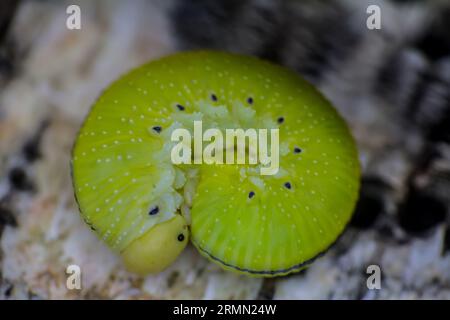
{"x": 391, "y": 84}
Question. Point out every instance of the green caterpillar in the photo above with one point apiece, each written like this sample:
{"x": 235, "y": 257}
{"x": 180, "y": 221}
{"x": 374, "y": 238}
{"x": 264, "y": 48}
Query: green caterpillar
{"x": 144, "y": 207}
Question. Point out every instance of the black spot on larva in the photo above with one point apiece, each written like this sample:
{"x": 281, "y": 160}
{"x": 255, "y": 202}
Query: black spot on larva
{"x": 154, "y": 211}
{"x": 251, "y": 194}
{"x": 288, "y": 185}
{"x": 280, "y": 120}
{"x": 180, "y": 107}
{"x": 180, "y": 237}
{"x": 213, "y": 97}
{"x": 157, "y": 129}
{"x": 250, "y": 100}
{"x": 297, "y": 150}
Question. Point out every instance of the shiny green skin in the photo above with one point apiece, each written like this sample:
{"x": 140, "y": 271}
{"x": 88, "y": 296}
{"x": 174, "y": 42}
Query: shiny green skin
{"x": 275, "y": 232}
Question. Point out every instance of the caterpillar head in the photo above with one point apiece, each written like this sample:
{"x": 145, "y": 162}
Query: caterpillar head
{"x": 158, "y": 247}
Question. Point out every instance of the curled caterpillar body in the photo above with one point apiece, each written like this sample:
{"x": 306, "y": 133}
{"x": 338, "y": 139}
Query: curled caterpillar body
{"x": 143, "y": 204}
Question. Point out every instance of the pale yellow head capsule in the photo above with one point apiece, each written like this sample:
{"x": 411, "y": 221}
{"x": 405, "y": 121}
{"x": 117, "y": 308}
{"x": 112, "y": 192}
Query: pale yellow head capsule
{"x": 158, "y": 247}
